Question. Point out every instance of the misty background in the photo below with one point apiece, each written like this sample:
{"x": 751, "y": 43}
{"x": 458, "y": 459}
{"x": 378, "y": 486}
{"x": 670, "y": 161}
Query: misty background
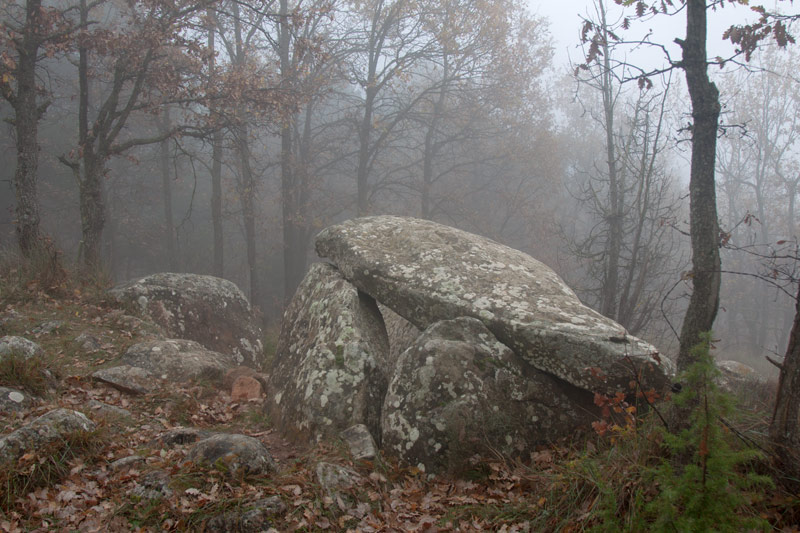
{"x": 257, "y": 124}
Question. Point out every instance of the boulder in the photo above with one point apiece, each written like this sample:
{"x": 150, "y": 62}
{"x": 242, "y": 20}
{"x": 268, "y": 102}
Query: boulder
{"x": 254, "y": 517}
{"x": 49, "y": 429}
{"x": 209, "y": 310}
{"x": 178, "y": 360}
{"x": 12, "y": 400}
{"x": 128, "y": 379}
{"x": 428, "y": 272}
{"x": 457, "y": 392}
{"x": 237, "y": 454}
{"x": 180, "y": 436}
{"x": 329, "y": 367}
{"x": 21, "y": 346}
{"x": 737, "y": 377}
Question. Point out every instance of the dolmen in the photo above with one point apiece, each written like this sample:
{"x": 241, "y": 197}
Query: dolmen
{"x": 445, "y": 345}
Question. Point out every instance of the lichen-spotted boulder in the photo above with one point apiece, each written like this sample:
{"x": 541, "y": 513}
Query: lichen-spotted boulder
{"x": 428, "y": 272}
{"x": 328, "y": 372}
{"x": 209, "y": 310}
{"x": 52, "y": 428}
{"x": 457, "y": 392}
{"x": 178, "y": 360}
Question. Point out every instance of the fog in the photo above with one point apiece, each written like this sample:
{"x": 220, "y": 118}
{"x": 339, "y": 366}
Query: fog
{"x": 220, "y": 137}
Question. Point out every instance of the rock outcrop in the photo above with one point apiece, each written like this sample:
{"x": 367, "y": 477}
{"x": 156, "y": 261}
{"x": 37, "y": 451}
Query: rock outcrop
{"x": 457, "y": 391}
{"x": 428, "y": 272}
{"x": 476, "y": 348}
{"x": 329, "y": 371}
{"x": 209, "y": 310}
{"x": 20, "y": 346}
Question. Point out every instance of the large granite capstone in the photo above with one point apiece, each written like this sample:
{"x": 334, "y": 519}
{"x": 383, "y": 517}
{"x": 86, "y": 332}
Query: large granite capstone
{"x": 427, "y": 272}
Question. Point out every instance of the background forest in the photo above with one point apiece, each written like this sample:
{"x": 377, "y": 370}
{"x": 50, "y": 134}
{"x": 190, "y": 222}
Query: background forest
{"x": 219, "y": 137}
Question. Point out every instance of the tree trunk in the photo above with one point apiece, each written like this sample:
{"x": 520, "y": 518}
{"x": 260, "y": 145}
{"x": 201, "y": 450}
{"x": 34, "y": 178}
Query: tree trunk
{"x": 293, "y": 247}
{"x": 92, "y": 209}
{"x": 216, "y": 160}
{"x": 26, "y": 121}
{"x": 364, "y": 134}
{"x": 166, "y": 184}
{"x": 704, "y": 228}
{"x": 608, "y": 304}
{"x": 784, "y": 431}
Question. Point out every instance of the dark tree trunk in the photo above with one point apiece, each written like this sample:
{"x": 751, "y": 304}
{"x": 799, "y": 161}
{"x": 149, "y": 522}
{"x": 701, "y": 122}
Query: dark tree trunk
{"x": 614, "y": 215}
{"x": 785, "y": 427}
{"x": 292, "y": 183}
{"x": 704, "y": 228}
{"x": 166, "y": 184}
{"x": 26, "y": 121}
{"x": 216, "y": 160}
{"x": 364, "y": 152}
{"x": 92, "y": 208}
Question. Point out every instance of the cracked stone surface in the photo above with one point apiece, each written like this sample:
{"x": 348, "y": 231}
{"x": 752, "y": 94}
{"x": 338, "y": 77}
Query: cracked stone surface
{"x": 457, "y": 392}
{"x": 329, "y": 368}
{"x": 206, "y": 309}
{"x": 428, "y": 272}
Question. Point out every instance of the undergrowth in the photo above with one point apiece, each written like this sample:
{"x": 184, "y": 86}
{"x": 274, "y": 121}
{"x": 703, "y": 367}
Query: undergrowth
{"x": 641, "y": 476}
{"x": 49, "y": 464}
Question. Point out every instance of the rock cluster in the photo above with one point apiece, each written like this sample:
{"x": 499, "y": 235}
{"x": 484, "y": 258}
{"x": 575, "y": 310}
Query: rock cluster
{"x": 444, "y": 345}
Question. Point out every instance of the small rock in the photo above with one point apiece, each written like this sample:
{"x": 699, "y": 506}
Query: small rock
{"x": 126, "y": 462}
{"x": 178, "y": 436}
{"x": 108, "y": 411}
{"x": 45, "y": 328}
{"x": 239, "y": 454}
{"x": 253, "y": 518}
{"x": 50, "y": 428}
{"x": 335, "y": 479}
{"x": 12, "y": 400}
{"x": 178, "y": 360}
{"x": 246, "y": 388}
{"x": 153, "y": 486}
{"x": 362, "y": 445}
{"x": 88, "y": 342}
{"x": 126, "y": 378}
{"x": 235, "y": 373}
{"x": 19, "y": 345}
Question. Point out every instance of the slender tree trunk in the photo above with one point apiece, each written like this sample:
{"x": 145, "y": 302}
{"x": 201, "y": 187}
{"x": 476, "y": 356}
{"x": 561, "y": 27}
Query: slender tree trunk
{"x": 90, "y": 176}
{"x": 26, "y": 122}
{"x": 293, "y": 247}
{"x": 92, "y": 208}
{"x": 431, "y": 147}
{"x": 216, "y": 160}
{"x": 608, "y": 305}
{"x": 166, "y": 184}
{"x": 364, "y": 134}
{"x": 785, "y": 427}
{"x": 704, "y": 228}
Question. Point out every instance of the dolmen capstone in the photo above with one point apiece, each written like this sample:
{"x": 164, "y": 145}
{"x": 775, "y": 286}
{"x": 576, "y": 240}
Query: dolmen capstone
{"x": 486, "y": 348}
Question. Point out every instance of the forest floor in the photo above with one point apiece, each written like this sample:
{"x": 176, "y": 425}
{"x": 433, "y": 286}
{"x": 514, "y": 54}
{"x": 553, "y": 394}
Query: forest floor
{"x": 562, "y": 487}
